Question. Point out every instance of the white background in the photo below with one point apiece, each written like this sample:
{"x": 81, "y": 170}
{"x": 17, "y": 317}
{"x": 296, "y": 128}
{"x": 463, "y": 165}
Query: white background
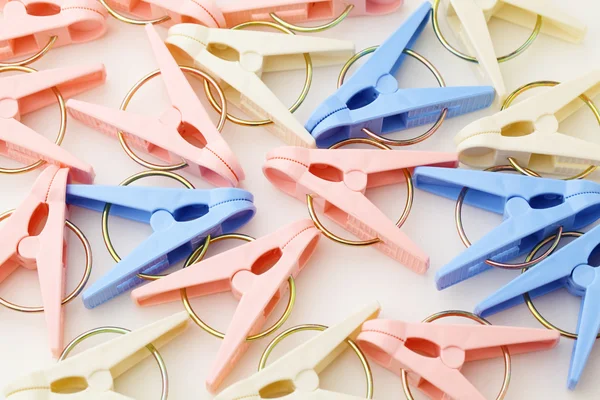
{"x": 338, "y": 279}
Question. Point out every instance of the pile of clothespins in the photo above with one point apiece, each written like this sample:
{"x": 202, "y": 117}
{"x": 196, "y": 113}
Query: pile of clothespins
{"x": 208, "y": 41}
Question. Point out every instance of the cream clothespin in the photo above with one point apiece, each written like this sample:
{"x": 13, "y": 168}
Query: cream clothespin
{"x": 469, "y": 18}
{"x": 90, "y": 374}
{"x": 239, "y": 58}
{"x": 296, "y": 375}
{"x": 529, "y": 133}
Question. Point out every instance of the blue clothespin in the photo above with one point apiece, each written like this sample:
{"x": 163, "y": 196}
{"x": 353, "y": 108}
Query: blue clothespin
{"x": 533, "y": 209}
{"x": 371, "y": 97}
{"x": 570, "y": 268}
{"x": 180, "y": 218}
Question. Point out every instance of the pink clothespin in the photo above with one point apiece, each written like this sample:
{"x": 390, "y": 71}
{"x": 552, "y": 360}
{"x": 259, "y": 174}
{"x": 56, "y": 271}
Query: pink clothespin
{"x": 338, "y": 179}
{"x": 434, "y": 354}
{"x": 302, "y": 10}
{"x": 28, "y": 26}
{"x": 33, "y": 237}
{"x": 164, "y": 137}
{"x": 22, "y": 94}
{"x": 203, "y": 12}
{"x": 256, "y": 273}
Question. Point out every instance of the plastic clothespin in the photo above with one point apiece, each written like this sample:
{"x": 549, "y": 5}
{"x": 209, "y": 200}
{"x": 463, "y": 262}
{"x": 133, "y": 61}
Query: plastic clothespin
{"x": 164, "y": 137}
{"x": 33, "y": 237}
{"x": 97, "y": 367}
{"x": 23, "y": 94}
{"x": 572, "y": 267}
{"x": 180, "y": 219}
{"x": 528, "y": 132}
{"x": 338, "y": 180}
{"x": 241, "y": 270}
{"x": 302, "y": 10}
{"x": 28, "y": 25}
{"x": 469, "y": 19}
{"x": 256, "y": 52}
{"x": 533, "y": 209}
{"x": 371, "y": 98}
{"x": 433, "y": 355}
{"x": 204, "y": 12}
{"x": 300, "y": 367}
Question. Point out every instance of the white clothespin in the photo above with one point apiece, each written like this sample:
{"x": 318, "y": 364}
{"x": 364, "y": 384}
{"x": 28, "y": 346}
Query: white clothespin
{"x": 528, "y": 132}
{"x": 239, "y": 58}
{"x": 90, "y": 374}
{"x": 469, "y": 18}
{"x": 296, "y": 375}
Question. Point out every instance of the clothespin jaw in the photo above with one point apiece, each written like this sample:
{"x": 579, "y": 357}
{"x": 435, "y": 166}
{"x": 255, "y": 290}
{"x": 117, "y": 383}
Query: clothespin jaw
{"x": 469, "y": 18}
{"x": 23, "y": 94}
{"x": 533, "y": 209}
{"x": 33, "y": 237}
{"x": 528, "y": 132}
{"x": 299, "y": 368}
{"x": 569, "y": 267}
{"x": 242, "y": 271}
{"x": 372, "y": 99}
{"x": 303, "y": 10}
{"x": 204, "y": 12}
{"x": 434, "y": 354}
{"x": 337, "y": 179}
{"x": 98, "y": 366}
{"x": 28, "y": 25}
{"x": 168, "y": 137}
{"x": 181, "y": 219}
{"x": 255, "y": 52}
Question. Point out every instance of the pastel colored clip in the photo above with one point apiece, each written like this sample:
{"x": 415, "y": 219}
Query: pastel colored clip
{"x": 303, "y": 10}
{"x": 23, "y": 94}
{"x": 338, "y": 180}
{"x": 433, "y": 355}
{"x": 571, "y": 267}
{"x": 469, "y": 19}
{"x": 242, "y": 271}
{"x": 31, "y": 26}
{"x": 96, "y": 369}
{"x": 371, "y": 98}
{"x": 257, "y": 52}
{"x": 180, "y": 218}
{"x": 44, "y": 251}
{"x": 533, "y": 209}
{"x": 169, "y": 12}
{"x": 528, "y": 132}
{"x": 165, "y": 137}
{"x": 296, "y": 374}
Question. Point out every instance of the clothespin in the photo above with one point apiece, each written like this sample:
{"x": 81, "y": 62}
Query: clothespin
{"x": 469, "y": 18}
{"x": 23, "y": 94}
{"x": 180, "y": 218}
{"x": 28, "y": 26}
{"x": 570, "y": 267}
{"x": 338, "y": 180}
{"x": 303, "y": 10}
{"x": 204, "y": 12}
{"x": 371, "y": 97}
{"x": 164, "y": 137}
{"x": 300, "y": 368}
{"x": 533, "y": 209}
{"x": 528, "y": 132}
{"x": 91, "y": 374}
{"x": 255, "y": 52}
{"x": 241, "y": 270}
{"x": 33, "y": 237}
{"x": 433, "y": 355}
